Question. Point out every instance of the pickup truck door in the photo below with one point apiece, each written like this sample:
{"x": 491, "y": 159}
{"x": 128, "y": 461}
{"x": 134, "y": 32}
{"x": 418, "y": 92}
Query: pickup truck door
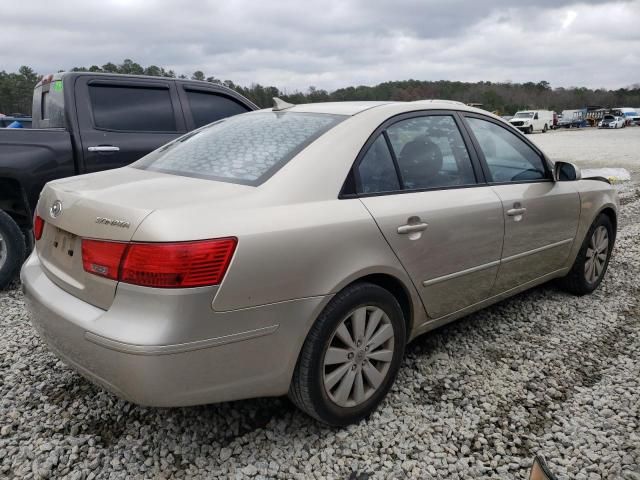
{"x": 540, "y": 216}
{"x": 121, "y": 120}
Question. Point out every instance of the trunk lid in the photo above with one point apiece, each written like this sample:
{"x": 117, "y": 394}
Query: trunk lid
{"x": 108, "y": 205}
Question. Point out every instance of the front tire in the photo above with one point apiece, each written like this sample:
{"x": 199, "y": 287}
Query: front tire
{"x": 545, "y": 128}
{"x": 12, "y": 249}
{"x": 351, "y": 356}
{"x": 593, "y": 258}
{"x": 530, "y": 130}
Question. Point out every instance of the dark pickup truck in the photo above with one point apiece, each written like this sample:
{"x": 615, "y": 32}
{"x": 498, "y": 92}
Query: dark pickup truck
{"x": 86, "y": 122}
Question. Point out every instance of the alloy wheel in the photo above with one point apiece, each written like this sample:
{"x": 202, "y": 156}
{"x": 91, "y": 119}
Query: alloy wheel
{"x": 358, "y": 357}
{"x": 597, "y": 252}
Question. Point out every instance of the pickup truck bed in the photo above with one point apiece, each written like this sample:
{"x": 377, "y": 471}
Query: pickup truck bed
{"x": 46, "y": 154}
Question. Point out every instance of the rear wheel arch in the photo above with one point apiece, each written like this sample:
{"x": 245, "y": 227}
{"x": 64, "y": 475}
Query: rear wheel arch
{"x": 394, "y": 286}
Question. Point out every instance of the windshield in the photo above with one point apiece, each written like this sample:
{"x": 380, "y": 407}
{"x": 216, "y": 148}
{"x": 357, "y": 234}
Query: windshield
{"x": 245, "y": 149}
{"x": 524, "y": 114}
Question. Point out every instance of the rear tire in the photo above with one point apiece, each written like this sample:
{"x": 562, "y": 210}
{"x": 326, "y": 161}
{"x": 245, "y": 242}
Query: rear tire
{"x": 590, "y": 265}
{"x": 12, "y": 249}
{"x": 365, "y": 371}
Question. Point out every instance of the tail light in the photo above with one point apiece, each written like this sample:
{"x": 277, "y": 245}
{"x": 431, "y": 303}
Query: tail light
{"x": 102, "y": 258}
{"x": 160, "y": 265}
{"x": 38, "y": 226}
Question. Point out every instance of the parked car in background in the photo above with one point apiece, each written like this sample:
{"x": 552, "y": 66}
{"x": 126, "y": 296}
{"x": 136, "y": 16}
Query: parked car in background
{"x": 529, "y": 121}
{"x": 611, "y": 121}
{"x": 631, "y": 115}
{"x": 6, "y": 121}
{"x": 86, "y": 122}
{"x": 297, "y": 250}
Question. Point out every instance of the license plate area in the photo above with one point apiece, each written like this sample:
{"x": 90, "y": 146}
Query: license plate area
{"x": 64, "y": 247}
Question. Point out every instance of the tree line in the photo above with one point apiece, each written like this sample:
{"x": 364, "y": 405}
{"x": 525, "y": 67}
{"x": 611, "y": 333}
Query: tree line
{"x": 502, "y": 97}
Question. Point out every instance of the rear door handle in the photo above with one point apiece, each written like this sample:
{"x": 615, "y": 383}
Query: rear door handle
{"x": 516, "y": 211}
{"x": 104, "y": 148}
{"x": 412, "y": 228}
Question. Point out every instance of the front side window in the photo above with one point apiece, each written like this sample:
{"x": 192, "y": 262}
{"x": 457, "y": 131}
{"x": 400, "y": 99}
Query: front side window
{"x": 508, "y": 157}
{"x": 210, "y": 107}
{"x": 376, "y": 170}
{"x": 431, "y": 152}
{"x": 245, "y": 149}
{"x": 134, "y": 109}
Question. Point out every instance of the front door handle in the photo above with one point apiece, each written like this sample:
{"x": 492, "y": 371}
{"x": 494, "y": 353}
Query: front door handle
{"x": 412, "y": 228}
{"x": 514, "y": 212}
{"x": 104, "y": 148}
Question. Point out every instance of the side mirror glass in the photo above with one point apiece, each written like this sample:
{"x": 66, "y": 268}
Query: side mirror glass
{"x": 566, "y": 172}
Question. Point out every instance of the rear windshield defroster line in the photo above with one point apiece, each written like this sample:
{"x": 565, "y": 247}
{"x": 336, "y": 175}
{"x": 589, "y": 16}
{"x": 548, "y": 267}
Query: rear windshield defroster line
{"x": 245, "y": 149}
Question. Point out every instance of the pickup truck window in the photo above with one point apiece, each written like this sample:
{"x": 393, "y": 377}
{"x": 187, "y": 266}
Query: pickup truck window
{"x": 48, "y": 106}
{"x": 245, "y": 149}
{"x": 132, "y": 109}
{"x": 210, "y": 107}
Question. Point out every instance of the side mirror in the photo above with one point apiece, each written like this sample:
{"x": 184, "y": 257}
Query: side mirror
{"x": 566, "y": 172}
{"x": 540, "y": 471}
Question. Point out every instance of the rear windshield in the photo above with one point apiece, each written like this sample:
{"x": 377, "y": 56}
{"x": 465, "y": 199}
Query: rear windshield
{"x": 246, "y": 149}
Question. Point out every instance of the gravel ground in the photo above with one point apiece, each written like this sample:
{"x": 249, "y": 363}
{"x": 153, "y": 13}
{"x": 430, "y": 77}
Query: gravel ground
{"x": 589, "y": 147}
{"x": 542, "y": 372}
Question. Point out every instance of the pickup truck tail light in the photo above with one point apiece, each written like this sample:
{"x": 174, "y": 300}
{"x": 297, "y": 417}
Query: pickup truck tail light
{"x": 38, "y": 226}
{"x": 160, "y": 265}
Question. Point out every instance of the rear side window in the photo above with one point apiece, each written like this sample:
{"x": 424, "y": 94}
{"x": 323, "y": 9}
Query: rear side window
{"x": 431, "y": 153}
{"x": 245, "y": 149}
{"x": 376, "y": 172}
{"x": 210, "y": 107}
{"x": 134, "y": 109}
{"x": 508, "y": 157}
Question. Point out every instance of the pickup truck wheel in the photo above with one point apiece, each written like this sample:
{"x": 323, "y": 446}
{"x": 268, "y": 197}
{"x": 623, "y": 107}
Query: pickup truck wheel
{"x": 530, "y": 130}
{"x": 593, "y": 258}
{"x": 12, "y": 249}
{"x": 351, "y": 356}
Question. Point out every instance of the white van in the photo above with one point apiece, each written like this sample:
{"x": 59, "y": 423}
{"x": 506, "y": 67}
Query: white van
{"x": 530, "y": 121}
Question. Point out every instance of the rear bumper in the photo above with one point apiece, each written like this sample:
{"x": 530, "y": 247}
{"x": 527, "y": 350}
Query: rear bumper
{"x": 217, "y": 356}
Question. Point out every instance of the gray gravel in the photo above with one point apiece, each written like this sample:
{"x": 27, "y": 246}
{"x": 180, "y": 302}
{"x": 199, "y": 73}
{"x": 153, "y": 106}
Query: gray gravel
{"x": 543, "y": 372}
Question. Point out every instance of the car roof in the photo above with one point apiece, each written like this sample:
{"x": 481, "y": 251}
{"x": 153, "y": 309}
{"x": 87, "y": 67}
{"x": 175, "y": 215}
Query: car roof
{"x": 353, "y": 108}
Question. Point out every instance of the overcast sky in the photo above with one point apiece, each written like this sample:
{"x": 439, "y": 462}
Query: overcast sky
{"x": 330, "y": 44}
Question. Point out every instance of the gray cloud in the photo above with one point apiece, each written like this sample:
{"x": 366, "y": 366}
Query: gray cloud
{"x": 334, "y": 43}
